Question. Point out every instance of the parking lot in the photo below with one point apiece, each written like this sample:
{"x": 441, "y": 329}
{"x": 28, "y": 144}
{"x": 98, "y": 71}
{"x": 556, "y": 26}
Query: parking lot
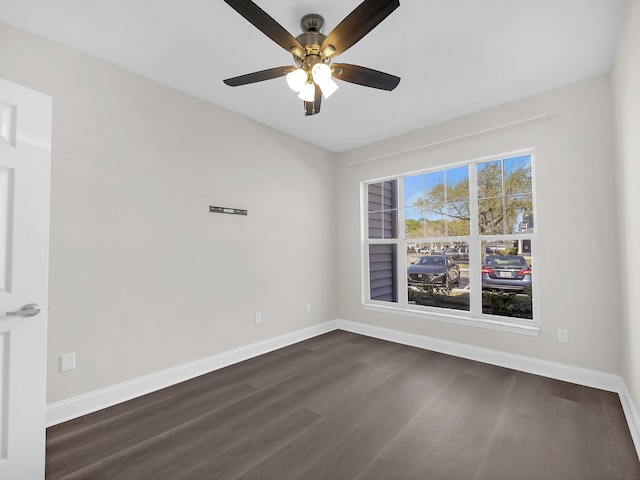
{"x": 463, "y": 284}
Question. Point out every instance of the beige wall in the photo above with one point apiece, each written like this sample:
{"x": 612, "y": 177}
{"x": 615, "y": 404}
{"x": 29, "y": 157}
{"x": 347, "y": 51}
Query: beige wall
{"x": 142, "y": 276}
{"x": 626, "y": 101}
{"x": 578, "y": 286}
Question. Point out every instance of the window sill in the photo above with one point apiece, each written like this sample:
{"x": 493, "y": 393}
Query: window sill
{"x": 481, "y": 322}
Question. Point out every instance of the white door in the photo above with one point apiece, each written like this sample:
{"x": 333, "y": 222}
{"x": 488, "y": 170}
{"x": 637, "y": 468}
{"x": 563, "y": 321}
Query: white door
{"x": 25, "y": 143}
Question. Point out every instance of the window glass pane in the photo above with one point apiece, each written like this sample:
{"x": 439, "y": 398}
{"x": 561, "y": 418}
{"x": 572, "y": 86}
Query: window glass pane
{"x": 382, "y": 273}
{"x": 490, "y": 216}
{"x": 416, "y": 249}
{"x": 390, "y": 194}
{"x": 383, "y": 215}
{"x": 374, "y": 196}
{"x": 435, "y": 222}
{"x": 519, "y": 211}
{"x": 439, "y": 278}
{"x": 375, "y": 224}
{"x": 414, "y": 190}
{"x": 434, "y": 188}
{"x": 458, "y": 221}
{"x": 496, "y": 247}
{"x": 504, "y": 191}
{"x": 490, "y": 179}
{"x": 390, "y": 224}
{"x": 414, "y": 223}
{"x": 458, "y": 184}
{"x": 382, "y": 196}
{"x": 507, "y": 279}
{"x": 517, "y": 175}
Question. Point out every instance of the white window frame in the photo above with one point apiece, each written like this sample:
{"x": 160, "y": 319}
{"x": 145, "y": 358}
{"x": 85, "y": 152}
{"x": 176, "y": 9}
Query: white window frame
{"x": 473, "y": 317}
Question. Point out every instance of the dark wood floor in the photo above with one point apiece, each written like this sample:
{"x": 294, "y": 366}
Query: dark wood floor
{"x": 345, "y": 406}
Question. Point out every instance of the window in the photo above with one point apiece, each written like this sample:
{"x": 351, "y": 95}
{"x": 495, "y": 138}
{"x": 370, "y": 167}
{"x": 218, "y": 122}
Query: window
{"x": 455, "y": 242}
{"x": 383, "y": 224}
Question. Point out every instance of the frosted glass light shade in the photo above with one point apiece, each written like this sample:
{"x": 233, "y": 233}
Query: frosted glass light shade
{"x": 297, "y": 79}
{"x": 321, "y": 72}
{"x": 308, "y": 93}
{"x": 328, "y": 87}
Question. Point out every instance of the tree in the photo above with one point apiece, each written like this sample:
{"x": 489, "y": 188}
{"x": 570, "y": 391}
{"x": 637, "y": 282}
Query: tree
{"x": 414, "y": 228}
{"x": 448, "y": 207}
{"x": 504, "y": 198}
{"x": 502, "y": 206}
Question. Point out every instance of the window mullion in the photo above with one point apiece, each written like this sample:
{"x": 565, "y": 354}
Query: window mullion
{"x": 475, "y": 246}
{"x": 364, "y": 242}
{"x": 504, "y": 198}
{"x": 401, "y": 267}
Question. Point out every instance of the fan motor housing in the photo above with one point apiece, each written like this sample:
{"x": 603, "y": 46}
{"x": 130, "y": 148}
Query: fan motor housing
{"x": 312, "y": 22}
{"x": 312, "y": 39}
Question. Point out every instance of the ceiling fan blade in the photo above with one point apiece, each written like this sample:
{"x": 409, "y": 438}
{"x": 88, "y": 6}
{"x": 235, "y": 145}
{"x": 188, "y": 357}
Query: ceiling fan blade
{"x": 313, "y": 108}
{"x": 357, "y": 24}
{"x": 260, "y": 76}
{"x": 267, "y": 25}
{"x": 365, "y": 76}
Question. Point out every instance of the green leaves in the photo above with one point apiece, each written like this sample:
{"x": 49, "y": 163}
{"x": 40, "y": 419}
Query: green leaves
{"x": 438, "y": 203}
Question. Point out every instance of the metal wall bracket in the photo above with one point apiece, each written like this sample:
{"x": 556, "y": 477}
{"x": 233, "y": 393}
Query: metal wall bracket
{"x": 231, "y": 211}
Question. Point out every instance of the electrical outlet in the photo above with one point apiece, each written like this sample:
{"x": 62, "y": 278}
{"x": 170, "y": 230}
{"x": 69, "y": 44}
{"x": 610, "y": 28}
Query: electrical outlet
{"x": 257, "y": 318}
{"x": 67, "y": 362}
{"x": 563, "y": 335}
{"x": 307, "y": 307}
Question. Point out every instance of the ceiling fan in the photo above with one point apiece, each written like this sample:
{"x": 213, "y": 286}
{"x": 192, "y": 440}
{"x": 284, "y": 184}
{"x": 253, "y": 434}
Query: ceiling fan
{"x": 313, "y": 73}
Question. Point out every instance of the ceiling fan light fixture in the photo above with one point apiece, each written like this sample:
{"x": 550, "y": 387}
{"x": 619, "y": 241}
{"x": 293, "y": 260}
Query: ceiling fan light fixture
{"x": 297, "y": 79}
{"x": 321, "y": 72}
{"x": 328, "y": 88}
{"x": 312, "y": 75}
{"x": 308, "y": 93}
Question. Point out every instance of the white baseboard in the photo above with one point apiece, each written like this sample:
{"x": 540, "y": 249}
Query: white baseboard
{"x": 91, "y": 402}
{"x": 567, "y": 373}
{"x": 631, "y": 413}
{"x": 77, "y": 406}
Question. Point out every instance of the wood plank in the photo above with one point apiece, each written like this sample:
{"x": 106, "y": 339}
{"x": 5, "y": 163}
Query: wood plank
{"x": 481, "y": 408}
{"x": 244, "y": 455}
{"x": 519, "y": 449}
{"x": 556, "y": 429}
{"x": 411, "y": 448}
{"x": 379, "y": 470}
{"x": 451, "y": 460}
{"x": 337, "y": 422}
{"x": 353, "y": 452}
{"x": 344, "y": 406}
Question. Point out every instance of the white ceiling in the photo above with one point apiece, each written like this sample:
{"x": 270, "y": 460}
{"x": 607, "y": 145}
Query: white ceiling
{"x": 454, "y": 56}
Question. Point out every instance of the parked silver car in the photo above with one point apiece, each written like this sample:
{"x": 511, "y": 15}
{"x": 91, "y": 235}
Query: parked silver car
{"x": 506, "y": 272}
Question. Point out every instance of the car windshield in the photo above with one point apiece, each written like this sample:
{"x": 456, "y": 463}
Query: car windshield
{"x": 430, "y": 261}
{"x": 506, "y": 261}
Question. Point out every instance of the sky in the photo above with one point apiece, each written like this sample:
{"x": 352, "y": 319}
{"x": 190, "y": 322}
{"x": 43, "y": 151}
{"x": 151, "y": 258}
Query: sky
{"x": 415, "y": 186}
